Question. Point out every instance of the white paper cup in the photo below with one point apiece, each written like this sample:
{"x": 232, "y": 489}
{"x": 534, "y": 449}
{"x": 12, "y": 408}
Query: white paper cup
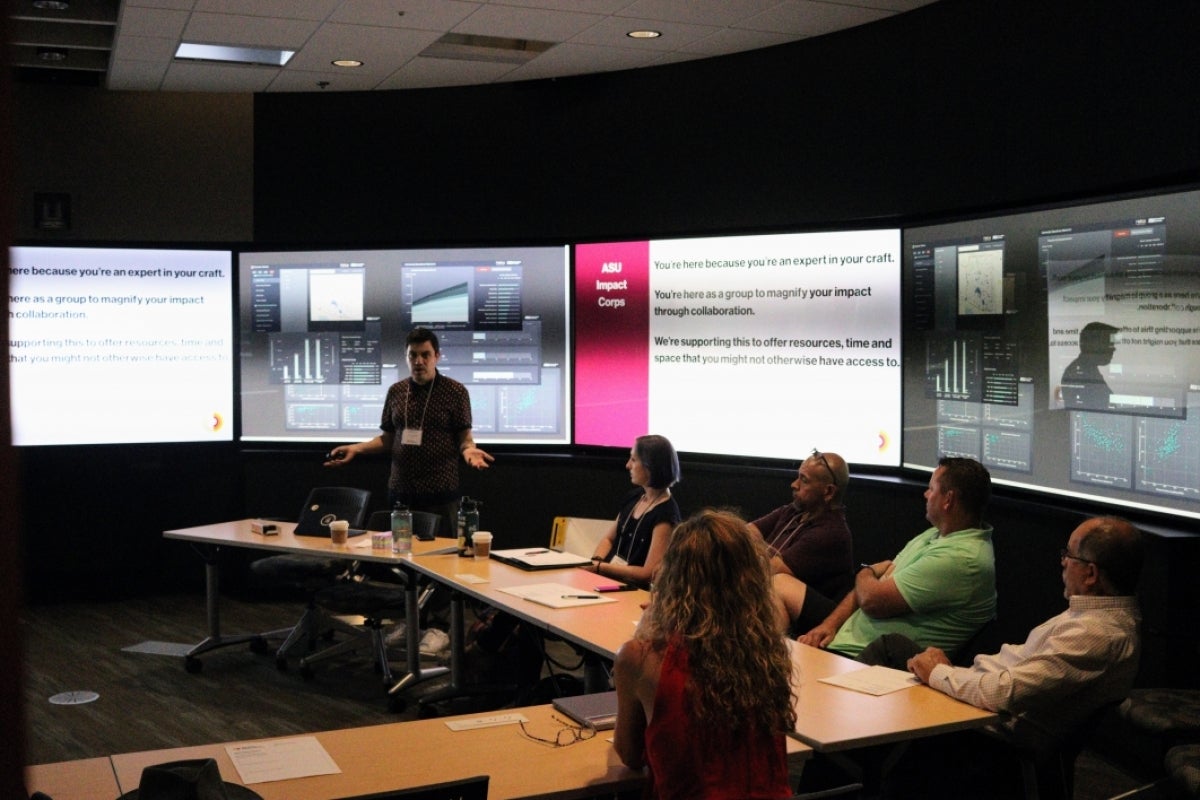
{"x": 482, "y": 542}
{"x": 339, "y": 531}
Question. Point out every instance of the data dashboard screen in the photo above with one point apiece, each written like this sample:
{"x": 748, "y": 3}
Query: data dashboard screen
{"x": 323, "y": 337}
{"x": 1061, "y": 348}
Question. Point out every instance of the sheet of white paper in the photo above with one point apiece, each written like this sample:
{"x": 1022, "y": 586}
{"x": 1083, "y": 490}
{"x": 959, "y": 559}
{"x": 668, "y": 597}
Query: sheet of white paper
{"x": 280, "y": 759}
{"x": 558, "y": 595}
{"x": 467, "y": 577}
{"x": 874, "y": 680}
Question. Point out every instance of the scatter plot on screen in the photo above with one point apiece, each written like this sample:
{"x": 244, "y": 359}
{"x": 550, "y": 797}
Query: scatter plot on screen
{"x": 1102, "y": 449}
{"x": 1168, "y": 454}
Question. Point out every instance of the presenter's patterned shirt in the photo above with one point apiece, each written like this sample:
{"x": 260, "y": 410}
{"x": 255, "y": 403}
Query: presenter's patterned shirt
{"x": 441, "y": 410}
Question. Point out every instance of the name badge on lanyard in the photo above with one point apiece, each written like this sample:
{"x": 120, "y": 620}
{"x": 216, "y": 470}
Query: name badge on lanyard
{"x": 411, "y": 436}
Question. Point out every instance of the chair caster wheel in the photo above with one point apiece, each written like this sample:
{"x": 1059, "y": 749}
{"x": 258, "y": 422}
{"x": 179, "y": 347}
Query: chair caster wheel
{"x": 396, "y": 705}
{"x": 425, "y": 711}
{"x": 258, "y": 646}
{"x": 281, "y": 664}
{"x": 306, "y": 673}
{"x": 193, "y": 665}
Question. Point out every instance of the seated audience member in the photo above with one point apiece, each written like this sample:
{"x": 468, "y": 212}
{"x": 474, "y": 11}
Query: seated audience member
{"x": 704, "y": 693}
{"x": 630, "y": 552}
{"x": 940, "y": 588}
{"x": 634, "y": 545}
{"x": 812, "y": 555}
{"x": 1070, "y": 665}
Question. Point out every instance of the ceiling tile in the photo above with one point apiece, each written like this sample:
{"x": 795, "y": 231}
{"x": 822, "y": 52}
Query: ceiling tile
{"x": 259, "y": 31}
{"x": 382, "y": 50}
{"x": 188, "y": 76}
{"x": 434, "y": 15}
{"x": 524, "y": 23}
{"x": 734, "y": 40}
{"x": 140, "y": 21}
{"x": 808, "y": 18}
{"x": 611, "y": 32}
{"x": 144, "y": 76}
{"x": 576, "y": 59}
{"x": 728, "y": 12}
{"x": 424, "y": 73}
{"x": 145, "y": 48}
{"x": 282, "y": 9}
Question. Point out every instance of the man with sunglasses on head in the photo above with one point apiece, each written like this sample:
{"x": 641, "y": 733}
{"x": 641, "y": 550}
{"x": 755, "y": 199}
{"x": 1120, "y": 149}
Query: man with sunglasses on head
{"x": 812, "y": 556}
{"x": 939, "y": 589}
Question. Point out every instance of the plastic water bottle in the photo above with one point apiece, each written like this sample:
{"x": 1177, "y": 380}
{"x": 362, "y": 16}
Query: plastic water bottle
{"x": 402, "y": 531}
{"x": 468, "y": 523}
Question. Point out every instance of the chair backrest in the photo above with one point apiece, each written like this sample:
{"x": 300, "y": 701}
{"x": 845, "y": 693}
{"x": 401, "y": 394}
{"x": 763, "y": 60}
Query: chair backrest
{"x": 426, "y": 525}
{"x": 465, "y": 789}
{"x": 578, "y": 535}
{"x": 380, "y": 521}
{"x": 327, "y": 503}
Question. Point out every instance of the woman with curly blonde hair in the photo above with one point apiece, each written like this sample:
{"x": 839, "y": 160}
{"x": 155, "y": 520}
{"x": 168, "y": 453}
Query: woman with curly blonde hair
{"x": 704, "y": 693}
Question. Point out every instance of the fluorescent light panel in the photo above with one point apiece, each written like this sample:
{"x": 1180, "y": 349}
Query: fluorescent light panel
{"x": 266, "y": 56}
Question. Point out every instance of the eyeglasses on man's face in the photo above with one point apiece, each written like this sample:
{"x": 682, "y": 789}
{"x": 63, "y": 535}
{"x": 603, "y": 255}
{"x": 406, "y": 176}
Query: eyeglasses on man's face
{"x": 1064, "y": 554}
{"x": 568, "y": 734}
{"x": 832, "y": 475}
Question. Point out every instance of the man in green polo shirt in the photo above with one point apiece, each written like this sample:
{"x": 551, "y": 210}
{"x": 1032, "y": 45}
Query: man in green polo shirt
{"x": 939, "y": 589}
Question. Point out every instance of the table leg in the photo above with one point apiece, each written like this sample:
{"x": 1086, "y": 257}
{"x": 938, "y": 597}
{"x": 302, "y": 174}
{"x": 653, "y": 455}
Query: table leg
{"x": 212, "y": 589}
{"x": 412, "y": 641}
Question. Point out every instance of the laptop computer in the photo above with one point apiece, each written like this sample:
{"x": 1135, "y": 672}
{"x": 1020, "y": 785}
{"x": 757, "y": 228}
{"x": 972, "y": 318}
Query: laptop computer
{"x": 314, "y": 519}
{"x": 597, "y": 710}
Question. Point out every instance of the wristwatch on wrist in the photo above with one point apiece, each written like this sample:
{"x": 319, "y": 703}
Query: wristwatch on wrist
{"x": 874, "y": 574}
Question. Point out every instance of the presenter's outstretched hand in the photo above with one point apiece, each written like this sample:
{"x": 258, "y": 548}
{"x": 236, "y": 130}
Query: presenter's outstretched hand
{"x": 477, "y": 458}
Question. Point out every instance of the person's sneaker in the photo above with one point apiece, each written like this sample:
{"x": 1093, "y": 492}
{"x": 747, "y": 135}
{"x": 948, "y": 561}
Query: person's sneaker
{"x": 396, "y": 636}
{"x": 434, "y": 643}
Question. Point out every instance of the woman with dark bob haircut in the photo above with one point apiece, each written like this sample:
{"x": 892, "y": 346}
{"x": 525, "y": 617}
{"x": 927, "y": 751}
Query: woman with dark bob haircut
{"x": 704, "y": 688}
{"x": 633, "y": 547}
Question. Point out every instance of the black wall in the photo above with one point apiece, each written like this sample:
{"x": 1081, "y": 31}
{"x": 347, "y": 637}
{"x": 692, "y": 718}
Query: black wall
{"x": 959, "y": 106}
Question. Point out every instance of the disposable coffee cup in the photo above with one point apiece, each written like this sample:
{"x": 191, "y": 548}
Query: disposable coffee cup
{"x": 339, "y": 531}
{"x": 482, "y": 540}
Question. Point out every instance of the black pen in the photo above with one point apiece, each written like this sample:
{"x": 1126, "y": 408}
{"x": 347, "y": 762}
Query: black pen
{"x": 536, "y": 552}
{"x": 581, "y": 597}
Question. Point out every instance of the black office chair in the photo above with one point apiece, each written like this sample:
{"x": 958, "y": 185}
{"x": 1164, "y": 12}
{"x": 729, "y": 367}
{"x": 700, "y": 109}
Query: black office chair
{"x": 310, "y": 573}
{"x": 376, "y": 592}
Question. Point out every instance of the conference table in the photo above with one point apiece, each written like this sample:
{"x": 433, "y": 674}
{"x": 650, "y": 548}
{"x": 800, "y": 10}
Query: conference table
{"x": 832, "y": 720}
{"x": 401, "y": 755}
{"x": 836, "y": 721}
{"x": 599, "y": 629}
{"x": 84, "y": 779}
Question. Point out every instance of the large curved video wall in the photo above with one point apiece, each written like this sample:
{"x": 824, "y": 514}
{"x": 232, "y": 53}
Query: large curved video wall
{"x": 1061, "y": 348}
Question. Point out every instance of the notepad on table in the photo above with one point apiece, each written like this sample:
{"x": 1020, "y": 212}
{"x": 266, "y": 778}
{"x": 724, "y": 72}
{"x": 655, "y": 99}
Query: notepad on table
{"x": 874, "y": 680}
{"x": 557, "y": 595}
{"x": 539, "y": 558}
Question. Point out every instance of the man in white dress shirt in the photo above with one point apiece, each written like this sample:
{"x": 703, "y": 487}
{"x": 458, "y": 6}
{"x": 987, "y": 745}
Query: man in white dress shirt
{"x": 1074, "y": 663}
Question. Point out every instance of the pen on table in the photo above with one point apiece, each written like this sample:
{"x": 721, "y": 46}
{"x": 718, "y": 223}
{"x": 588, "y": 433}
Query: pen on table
{"x": 536, "y": 552}
{"x": 581, "y": 597}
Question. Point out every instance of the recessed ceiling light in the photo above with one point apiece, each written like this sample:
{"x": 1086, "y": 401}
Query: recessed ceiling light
{"x": 265, "y": 56}
{"x": 346, "y": 62}
{"x": 644, "y": 34}
{"x": 53, "y": 55}
{"x": 51, "y": 5}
